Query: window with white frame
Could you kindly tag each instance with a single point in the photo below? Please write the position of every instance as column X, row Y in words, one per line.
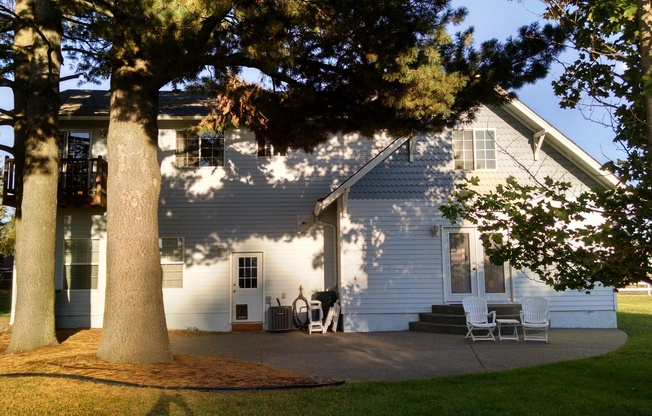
column 74, row 144
column 171, row 249
column 81, row 263
column 266, row 149
column 474, row 149
column 199, row 149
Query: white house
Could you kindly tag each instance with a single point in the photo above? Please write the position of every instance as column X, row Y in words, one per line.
column 241, row 226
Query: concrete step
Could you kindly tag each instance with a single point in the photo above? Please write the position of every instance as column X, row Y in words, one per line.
column 449, row 319
column 420, row 326
column 438, row 318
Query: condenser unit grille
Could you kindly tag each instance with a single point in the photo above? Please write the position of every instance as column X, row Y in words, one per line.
column 280, row 318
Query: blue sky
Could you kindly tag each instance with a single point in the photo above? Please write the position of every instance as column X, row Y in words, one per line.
column 500, row 19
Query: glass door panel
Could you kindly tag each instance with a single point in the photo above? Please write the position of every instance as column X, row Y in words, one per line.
column 460, row 263
column 467, row 269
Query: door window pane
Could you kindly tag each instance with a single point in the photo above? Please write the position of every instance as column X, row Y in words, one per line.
column 460, row 263
column 494, row 277
column 248, row 272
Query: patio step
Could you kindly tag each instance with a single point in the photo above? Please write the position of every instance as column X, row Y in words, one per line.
column 449, row 319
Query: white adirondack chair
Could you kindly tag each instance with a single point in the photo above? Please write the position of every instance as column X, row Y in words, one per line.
column 478, row 318
column 535, row 319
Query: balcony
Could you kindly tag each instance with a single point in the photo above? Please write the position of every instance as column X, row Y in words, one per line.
column 82, row 183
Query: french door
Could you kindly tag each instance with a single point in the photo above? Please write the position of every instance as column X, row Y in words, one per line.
column 468, row 271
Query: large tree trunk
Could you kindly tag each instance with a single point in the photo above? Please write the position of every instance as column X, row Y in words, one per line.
column 34, row 324
column 134, row 318
column 645, row 47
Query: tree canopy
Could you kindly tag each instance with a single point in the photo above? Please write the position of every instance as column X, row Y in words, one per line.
column 323, row 66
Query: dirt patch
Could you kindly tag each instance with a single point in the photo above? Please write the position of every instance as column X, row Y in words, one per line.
column 75, row 356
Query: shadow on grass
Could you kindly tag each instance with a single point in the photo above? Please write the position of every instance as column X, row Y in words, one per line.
column 169, row 404
column 64, row 334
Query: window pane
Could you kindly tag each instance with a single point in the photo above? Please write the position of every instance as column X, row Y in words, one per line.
column 248, row 272
column 485, row 153
column 206, row 149
column 79, row 145
column 172, row 275
column 463, row 149
column 81, row 258
column 494, row 277
column 171, row 249
column 460, row 262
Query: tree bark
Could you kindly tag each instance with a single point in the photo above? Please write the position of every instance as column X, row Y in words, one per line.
column 645, row 47
column 135, row 330
column 39, row 59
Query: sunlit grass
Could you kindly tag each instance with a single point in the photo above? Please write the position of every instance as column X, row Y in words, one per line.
column 619, row 383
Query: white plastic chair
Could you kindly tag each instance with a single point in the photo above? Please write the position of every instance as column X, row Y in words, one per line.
column 535, row 319
column 477, row 318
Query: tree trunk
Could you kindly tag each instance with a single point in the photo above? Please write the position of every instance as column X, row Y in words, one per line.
column 135, row 330
column 34, row 324
column 645, row 47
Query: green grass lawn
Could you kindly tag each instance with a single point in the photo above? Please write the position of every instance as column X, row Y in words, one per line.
column 619, row 383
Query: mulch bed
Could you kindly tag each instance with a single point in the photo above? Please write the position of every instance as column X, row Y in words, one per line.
column 75, row 357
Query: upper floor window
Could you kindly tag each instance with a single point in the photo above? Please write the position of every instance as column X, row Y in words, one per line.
column 75, row 144
column 266, row 148
column 474, row 149
column 200, row 149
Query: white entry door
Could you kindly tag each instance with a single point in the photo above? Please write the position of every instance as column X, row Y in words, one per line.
column 247, row 285
column 468, row 271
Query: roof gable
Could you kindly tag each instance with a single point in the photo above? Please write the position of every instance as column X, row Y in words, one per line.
column 541, row 130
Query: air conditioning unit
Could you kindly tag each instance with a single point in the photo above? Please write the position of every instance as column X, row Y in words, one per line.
column 280, row 319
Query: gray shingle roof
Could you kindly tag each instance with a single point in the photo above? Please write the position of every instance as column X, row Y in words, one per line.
column 95, row 103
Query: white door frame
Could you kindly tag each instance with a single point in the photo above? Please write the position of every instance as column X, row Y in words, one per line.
column 252, row 297
column 475, row 267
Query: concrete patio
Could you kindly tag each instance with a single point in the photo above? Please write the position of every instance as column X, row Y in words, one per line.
column 401, row 355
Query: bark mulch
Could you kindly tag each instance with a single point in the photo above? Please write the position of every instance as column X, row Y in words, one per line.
column 75, row 357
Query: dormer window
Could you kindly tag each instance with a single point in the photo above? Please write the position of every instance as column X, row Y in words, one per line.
column 474, row 149
column 200, row 149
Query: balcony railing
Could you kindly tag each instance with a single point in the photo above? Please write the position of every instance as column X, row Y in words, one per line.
column 82, row 182
column 9, row 183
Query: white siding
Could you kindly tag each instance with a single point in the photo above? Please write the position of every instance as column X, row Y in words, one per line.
column 251, row 204
column 80, row 308
column 392, row 266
